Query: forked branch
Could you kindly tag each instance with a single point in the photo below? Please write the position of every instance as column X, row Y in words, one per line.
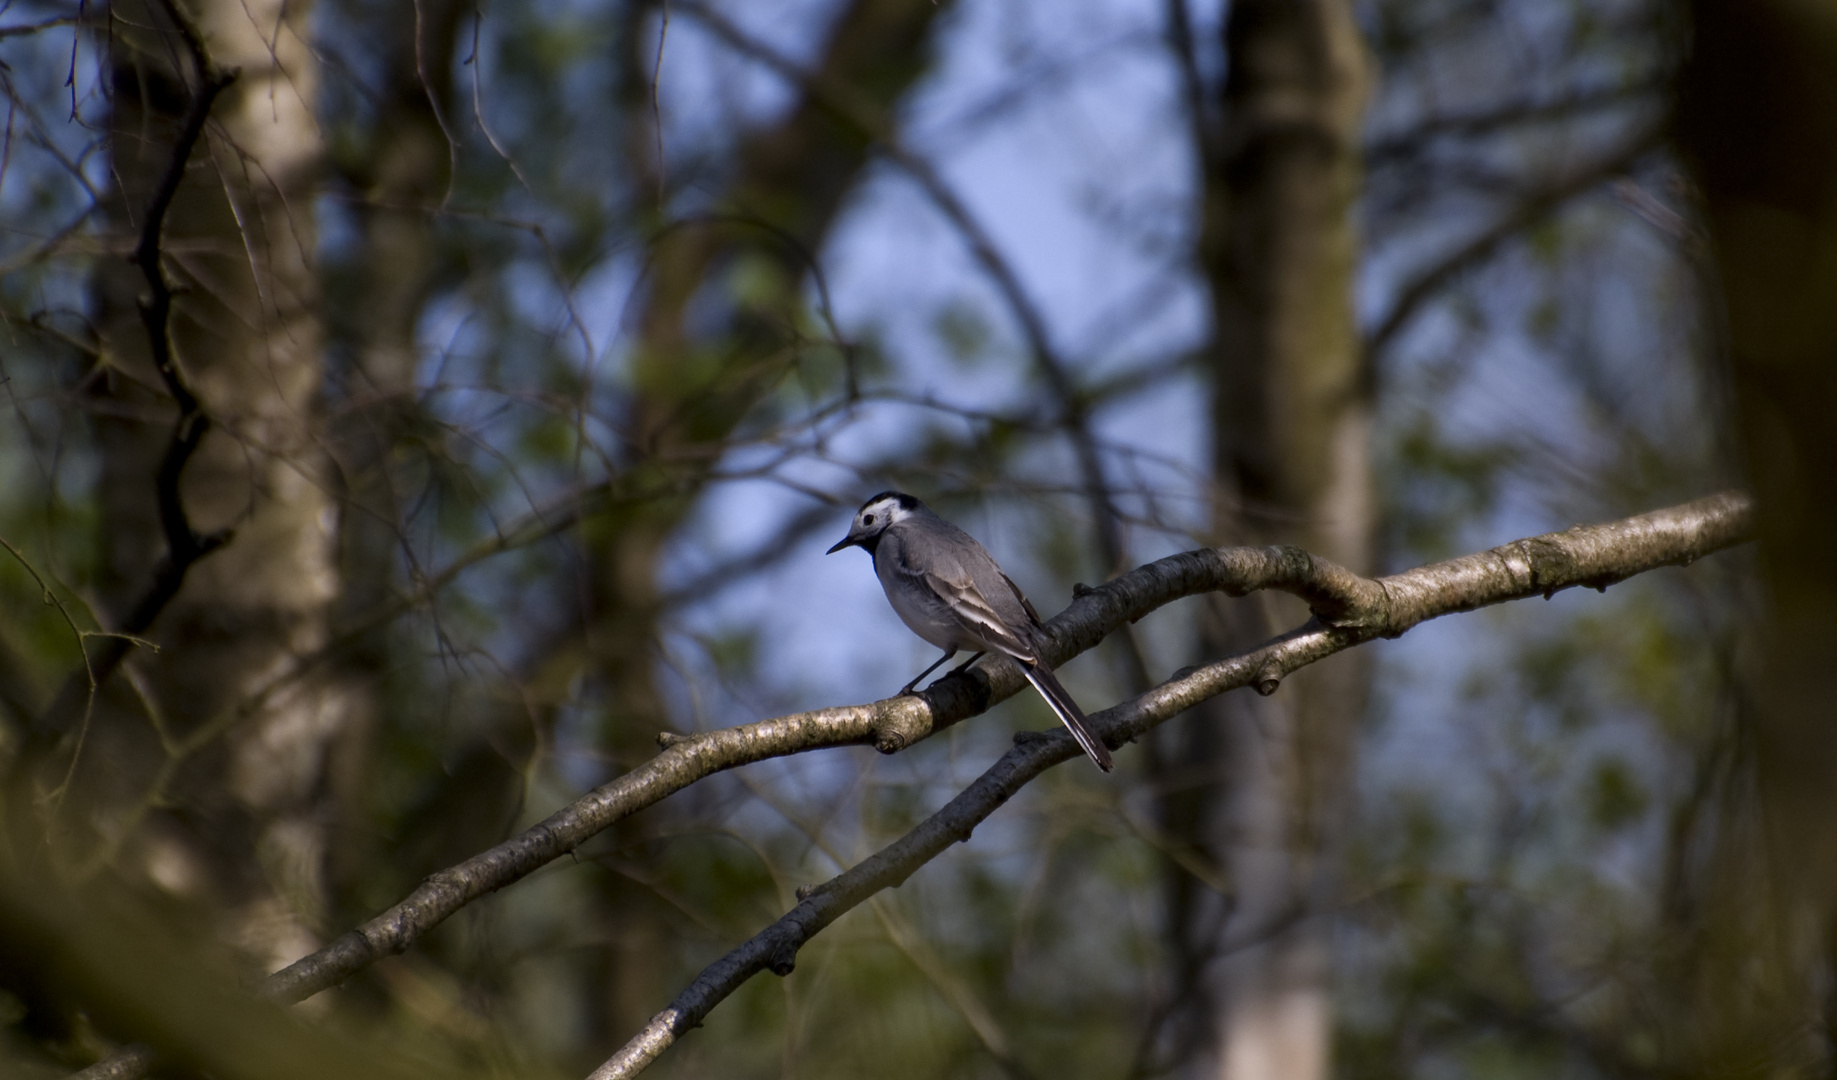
column 1348, row 610
column 184, row 544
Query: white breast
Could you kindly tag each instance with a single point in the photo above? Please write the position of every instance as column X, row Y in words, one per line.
column 920, row 609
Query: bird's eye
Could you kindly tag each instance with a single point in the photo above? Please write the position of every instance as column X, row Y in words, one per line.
column 868, row 520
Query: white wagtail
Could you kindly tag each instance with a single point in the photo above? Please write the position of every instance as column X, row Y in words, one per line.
column 949, row 591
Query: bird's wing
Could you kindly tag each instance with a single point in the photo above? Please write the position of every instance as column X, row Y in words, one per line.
column 982, row 618
column 1021, row 596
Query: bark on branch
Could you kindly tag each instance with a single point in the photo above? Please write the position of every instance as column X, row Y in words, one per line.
column 1348, row 610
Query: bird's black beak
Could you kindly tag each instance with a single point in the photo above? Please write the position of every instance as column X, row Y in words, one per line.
column 846, row 541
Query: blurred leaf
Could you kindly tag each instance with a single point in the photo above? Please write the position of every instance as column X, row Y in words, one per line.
column 1615, row 797
column 964, row 331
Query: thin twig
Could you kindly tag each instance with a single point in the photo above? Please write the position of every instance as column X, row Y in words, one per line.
column 663, row 37
column 32, row 28
column 1508, row 117
column 1531, row 209
column 1074, row 414
column 185, row 546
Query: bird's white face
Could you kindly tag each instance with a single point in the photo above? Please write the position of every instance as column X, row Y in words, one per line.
column 875, row 517
column 880, row 513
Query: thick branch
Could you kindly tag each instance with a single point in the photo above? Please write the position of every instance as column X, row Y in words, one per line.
column 129, row 1063
column 1349, row 610
column 890, row 725
column 1354, row 608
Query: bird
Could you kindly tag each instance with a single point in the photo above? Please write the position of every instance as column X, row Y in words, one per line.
column 949, row 590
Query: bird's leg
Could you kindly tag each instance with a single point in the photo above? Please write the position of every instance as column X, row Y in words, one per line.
column 907, row 689
column 961, row 668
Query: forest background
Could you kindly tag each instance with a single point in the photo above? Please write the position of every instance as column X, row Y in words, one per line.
column 421, row 415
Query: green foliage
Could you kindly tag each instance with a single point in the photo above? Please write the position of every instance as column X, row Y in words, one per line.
column 1615, row 796
column 964, row 332
column 1447, row 485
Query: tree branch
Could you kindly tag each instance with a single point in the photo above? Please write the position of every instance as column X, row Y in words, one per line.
column 889, row 725
column 1498, row 118
column 184, row 544
column 1349, row 610
column 1074, row 413
column 873, row 124
column 129, row 1063
column 32, row 28
column 1352, row 607
column 1531, row 209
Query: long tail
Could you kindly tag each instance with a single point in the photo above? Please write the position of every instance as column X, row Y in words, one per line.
column 1070, row 714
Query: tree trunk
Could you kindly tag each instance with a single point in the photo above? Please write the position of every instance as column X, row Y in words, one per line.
column 399, row 176
column 247, row 836
column 1758, row 112
column 1260, row 782
column 720, row 315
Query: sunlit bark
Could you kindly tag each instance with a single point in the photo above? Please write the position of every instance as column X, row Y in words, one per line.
column 239, row 245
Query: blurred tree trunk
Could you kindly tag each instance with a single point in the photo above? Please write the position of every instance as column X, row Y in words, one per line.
column 245, row 833
column 696, row 376
column 379, row 291
column 1758, row 113
column 717, row 328
column 1260, row 783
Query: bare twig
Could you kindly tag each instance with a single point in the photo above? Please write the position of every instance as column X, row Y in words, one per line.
column 871, row 122
column 1511, row 116
column 663, row 37
column 1074, row 412
column 533, row 527
column 1348, row 610
column 18, row 29
column 185, row 546
column 1530, row 209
